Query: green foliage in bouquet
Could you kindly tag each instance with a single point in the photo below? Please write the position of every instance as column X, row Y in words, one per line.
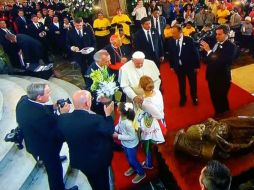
column 100, row 75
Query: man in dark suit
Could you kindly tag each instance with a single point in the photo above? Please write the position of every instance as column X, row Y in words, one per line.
column 31, row 55
column 184, row 61
column 32, row 51
column 101, row 59
column 57, row 36
column 80, row 37
column 149, row 42
column 218, row 74
column 22, row 23
column 38, row 124
column 37, row 31
column 89, row 137
column 15, row 8
column 9, row 48
column 158, row 22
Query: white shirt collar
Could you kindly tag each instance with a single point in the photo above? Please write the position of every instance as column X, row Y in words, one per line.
column 98, row 65
column 36, row 102
column 79, row 30
column 57, row 24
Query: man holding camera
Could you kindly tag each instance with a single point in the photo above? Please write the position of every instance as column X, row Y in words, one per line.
column 219, row 60
column 89, row 137
column 38, row 124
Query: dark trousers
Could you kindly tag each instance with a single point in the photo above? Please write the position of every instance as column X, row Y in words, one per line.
column 192, row 78
column 102, row 41
column 100, row 180
column 219, row 94
column 54, row 170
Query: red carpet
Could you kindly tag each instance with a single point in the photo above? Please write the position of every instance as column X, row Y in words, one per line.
column 185, row 170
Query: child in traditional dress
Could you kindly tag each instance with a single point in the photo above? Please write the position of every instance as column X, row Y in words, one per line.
column 125, row 132
column 151, row 119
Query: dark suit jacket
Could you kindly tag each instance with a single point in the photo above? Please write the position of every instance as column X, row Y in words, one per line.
column 11, row 49
column 163, row 23
column 38, row 124
column 34, row 31
column 22, row 25
column 141, row 44
column 31, row 48
column 220, row 61
column 57, row 35
column 89, row 137
column 189, row 54
column 73, row 39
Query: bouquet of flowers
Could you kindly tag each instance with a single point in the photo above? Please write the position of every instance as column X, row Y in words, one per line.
column 103, row 84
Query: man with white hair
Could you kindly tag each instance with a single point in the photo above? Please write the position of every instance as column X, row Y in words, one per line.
column 132, row 71
column 89, row 137
column 101, row 59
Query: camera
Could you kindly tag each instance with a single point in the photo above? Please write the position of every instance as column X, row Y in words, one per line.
column 16, row 136
column 60, row 103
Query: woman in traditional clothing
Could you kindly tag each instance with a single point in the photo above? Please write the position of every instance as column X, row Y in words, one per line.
column 151, row 118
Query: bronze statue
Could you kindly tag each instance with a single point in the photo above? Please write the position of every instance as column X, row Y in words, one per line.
column 221, row 138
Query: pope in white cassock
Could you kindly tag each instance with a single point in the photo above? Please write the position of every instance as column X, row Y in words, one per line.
column 132, row 71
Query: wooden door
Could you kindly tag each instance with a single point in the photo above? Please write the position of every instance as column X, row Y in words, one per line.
column 112, row 6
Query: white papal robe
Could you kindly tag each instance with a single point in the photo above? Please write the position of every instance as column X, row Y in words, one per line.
column 129, row 77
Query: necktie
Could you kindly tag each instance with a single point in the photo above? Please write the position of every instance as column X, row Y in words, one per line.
column 215, row 47
column 150, row 40
column 80, row 34
column 157, row 25
column 178, row 47
column 37, row 25
column 23, row 18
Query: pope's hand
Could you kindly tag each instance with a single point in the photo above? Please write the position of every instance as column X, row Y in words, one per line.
column 138, row 99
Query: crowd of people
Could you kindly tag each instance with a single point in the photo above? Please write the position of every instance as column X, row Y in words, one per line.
column 132, row 47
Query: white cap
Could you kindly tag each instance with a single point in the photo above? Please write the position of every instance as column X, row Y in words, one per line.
column 248, row 18
column 138, row 55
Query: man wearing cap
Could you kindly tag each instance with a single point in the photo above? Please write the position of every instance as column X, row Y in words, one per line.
column 132, row 71
column 149, row 41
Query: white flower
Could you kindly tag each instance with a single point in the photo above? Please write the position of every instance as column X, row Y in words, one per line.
column 128, row 106
column 184, row 44
column 106, row 89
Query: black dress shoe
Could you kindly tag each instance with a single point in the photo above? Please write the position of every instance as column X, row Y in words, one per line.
column 195, row 101
column 75, row 187
column 182, row 103
column 63, row 158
